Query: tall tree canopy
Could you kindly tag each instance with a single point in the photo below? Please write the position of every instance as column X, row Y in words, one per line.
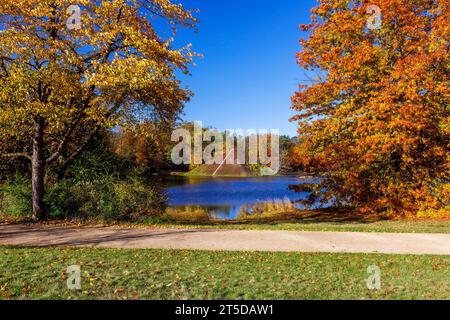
column 60, row 81
column 376, row 122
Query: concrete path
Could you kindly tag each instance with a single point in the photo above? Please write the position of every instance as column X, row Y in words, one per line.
column 229, row 240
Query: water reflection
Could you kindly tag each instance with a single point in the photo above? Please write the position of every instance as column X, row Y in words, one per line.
column 224, row 197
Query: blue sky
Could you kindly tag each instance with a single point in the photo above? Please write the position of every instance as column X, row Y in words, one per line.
column 248, row 72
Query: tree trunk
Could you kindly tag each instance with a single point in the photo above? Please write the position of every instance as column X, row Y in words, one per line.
column 37, row 169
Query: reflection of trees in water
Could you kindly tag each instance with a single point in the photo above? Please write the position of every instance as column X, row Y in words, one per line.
column 177, row 181
column 225, row 198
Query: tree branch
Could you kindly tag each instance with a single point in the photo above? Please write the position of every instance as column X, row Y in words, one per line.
column 64, row 142
column 81, row 148
column 16, row 155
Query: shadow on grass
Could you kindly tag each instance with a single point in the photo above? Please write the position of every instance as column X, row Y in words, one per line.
column 331, row 216
column 327, row 217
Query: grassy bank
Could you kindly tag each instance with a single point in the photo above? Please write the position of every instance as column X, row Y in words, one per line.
column 298, row 220
column 173, row 274
column 400, row 226
column 289, row 222
column 229, row 171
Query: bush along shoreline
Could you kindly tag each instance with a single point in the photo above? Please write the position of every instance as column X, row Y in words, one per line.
column 107, row 198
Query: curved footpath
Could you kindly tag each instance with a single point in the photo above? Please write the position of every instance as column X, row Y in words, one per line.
column 227, row 240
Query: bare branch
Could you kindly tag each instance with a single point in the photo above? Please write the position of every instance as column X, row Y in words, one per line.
column 81, row 148
column 16, row 155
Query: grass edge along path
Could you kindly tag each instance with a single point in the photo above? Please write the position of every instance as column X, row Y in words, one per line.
column 285, row 222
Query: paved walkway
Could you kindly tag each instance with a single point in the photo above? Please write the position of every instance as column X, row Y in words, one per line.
column 229, row 240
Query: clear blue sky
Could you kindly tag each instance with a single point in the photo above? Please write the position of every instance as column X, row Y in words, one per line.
column 248, row 72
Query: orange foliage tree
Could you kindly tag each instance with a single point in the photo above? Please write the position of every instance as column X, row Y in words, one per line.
column 148, row 145
column 375, row 123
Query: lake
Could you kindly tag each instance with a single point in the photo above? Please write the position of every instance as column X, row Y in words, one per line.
column 224, row 197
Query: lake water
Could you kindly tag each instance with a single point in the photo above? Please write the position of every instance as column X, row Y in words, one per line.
column 224, row 197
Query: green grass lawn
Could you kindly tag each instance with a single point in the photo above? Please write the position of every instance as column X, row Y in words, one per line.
column 301, row 220
column 384, row 226
column 290, row 221
column 176, row 274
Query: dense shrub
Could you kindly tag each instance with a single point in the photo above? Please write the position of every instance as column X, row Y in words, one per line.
column 15, row 198
column 97, row 161
column 98, row 184
column 106, row 198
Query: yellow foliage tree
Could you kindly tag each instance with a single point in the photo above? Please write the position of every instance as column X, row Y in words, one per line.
column 67, row 71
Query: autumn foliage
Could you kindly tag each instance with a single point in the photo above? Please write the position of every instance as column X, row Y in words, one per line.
column 147, row 145
column 61, row 85
column 375, row 122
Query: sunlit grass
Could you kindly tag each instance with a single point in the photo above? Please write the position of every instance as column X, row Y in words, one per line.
column 279, row 215
column 266, row 209
column 180, row 274
column 187, row 214
column 296, row 220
